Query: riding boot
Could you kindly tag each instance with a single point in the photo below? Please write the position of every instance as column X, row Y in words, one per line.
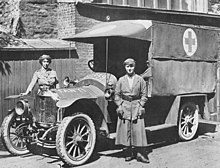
column 129, row 154
column 142, row 155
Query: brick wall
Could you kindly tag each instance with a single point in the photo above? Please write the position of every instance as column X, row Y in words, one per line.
column 65, row 19
column 71, row 22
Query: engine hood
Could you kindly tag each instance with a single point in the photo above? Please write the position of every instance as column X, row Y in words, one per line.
column 67, row 96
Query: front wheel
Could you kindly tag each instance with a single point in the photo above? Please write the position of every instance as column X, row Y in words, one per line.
column 13, row 132
column 75, row 140
column 188, row 121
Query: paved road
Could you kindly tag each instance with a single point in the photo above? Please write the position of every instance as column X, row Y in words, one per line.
column 202, row 152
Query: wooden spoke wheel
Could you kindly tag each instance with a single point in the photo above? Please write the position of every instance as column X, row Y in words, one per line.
column 75, row 140
column 188, row 121
column 13, row 134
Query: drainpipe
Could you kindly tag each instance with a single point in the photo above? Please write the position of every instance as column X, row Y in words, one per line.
column 218, row 91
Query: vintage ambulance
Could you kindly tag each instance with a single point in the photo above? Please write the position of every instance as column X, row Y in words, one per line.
column 178, row 62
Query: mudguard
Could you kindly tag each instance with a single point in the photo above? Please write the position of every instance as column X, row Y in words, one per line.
column 92, row 87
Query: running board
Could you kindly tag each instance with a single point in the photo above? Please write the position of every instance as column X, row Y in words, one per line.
column 161, row 134
column 207, row 126
column 159, row 127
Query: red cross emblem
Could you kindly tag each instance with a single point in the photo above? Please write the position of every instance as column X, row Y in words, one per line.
column 189, row 42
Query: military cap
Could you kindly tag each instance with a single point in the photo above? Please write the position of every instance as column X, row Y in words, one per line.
column 129, row 61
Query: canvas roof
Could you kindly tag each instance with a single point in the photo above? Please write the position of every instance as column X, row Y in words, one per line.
column 135, row 29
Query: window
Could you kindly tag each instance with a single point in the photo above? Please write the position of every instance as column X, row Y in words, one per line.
column 195, row 5
column 148, row 3
column 133, row 2
column 181, row 5
column 185, row 5
column 175, row 5
column 162, row 4
column 100, row 1
column 117, row 2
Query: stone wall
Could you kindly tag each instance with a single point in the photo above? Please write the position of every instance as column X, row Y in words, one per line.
column 39, row 18
column 29, row 18
column 9, row 15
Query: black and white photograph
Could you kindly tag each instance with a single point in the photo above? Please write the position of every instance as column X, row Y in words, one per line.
column 109, row 83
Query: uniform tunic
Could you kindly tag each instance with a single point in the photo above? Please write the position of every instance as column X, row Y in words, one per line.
column 131, row 101
column 46, row 79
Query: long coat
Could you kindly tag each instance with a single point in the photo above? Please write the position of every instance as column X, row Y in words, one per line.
column 130, row 126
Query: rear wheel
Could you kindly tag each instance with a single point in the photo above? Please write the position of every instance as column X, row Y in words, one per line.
column 13, row 134
column 188, row 121
column 75, row 140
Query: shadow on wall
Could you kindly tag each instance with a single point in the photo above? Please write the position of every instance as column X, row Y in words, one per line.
column 5, row 68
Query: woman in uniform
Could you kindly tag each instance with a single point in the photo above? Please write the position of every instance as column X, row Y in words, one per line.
column 130, row 97
column 45, row 77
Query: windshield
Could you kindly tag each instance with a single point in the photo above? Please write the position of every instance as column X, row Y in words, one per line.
column 118, row 50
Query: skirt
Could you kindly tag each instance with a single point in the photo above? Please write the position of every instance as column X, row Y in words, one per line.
column 131, row 133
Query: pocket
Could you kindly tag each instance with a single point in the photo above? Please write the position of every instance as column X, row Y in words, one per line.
column 142, row 110
column 119, row 111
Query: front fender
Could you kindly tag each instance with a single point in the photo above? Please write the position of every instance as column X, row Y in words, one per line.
column 70, row 95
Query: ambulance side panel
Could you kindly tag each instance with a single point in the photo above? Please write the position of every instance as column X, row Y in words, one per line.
column 184, row 60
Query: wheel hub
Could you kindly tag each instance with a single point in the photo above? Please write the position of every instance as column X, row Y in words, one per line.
column 187, row 119
column 76, row 138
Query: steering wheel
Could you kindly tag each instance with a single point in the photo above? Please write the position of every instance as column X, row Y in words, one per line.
column 91, row 64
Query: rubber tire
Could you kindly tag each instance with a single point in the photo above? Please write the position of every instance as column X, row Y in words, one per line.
column 60, row 139
column 183, row 136
column 6, row 139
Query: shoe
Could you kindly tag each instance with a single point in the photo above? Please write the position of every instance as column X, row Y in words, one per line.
column 143, row 159
column 129, row 158
column 129, row 155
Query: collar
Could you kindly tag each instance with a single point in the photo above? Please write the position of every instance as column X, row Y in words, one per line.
column 45, row 70
column 130, row 76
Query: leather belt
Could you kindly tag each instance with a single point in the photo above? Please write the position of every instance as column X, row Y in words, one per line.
column 130, row 97
column 46, row 87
